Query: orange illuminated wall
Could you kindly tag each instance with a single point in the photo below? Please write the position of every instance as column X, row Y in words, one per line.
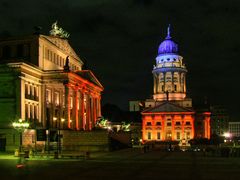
column 202, row 125
column 207, row 133
column 181, row 122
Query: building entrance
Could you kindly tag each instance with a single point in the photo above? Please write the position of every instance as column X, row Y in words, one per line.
column 168, row 136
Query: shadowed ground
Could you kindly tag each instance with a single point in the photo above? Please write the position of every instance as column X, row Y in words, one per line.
column 126, row 164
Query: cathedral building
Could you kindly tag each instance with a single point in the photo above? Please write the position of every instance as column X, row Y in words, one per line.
column 169, row 115
column 42, row 82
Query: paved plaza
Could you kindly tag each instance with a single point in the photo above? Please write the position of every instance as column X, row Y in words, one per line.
column 125, row 164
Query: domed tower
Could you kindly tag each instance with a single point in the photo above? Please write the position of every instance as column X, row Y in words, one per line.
column 169, row 73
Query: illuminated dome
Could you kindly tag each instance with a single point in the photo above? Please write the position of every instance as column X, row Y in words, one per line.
column 168, row 45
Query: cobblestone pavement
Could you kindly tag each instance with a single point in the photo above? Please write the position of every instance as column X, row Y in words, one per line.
column 126, row 164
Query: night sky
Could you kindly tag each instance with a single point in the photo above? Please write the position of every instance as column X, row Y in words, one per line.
column 118, row 40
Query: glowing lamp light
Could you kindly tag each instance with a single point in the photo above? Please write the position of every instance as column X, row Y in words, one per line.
column 62, row 120
column 54, row 118
column 20, row 124
column 227, row 135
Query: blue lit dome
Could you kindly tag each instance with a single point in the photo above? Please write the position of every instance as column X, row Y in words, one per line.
column 168, row 45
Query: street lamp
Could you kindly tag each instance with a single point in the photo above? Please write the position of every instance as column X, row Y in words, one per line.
column 58, row 124
column 20, row 126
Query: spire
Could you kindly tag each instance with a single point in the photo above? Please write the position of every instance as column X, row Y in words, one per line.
column 168, row 32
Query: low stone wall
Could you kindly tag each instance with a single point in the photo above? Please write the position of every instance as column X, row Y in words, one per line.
column 70, row 141
column 85, row 140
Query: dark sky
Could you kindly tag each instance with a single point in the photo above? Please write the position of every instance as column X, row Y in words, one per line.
column 119, row 39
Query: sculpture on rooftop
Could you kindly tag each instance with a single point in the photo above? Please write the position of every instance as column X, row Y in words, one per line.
column 58, row 31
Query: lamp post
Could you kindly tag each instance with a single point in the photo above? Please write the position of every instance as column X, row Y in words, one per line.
column 20, row 126
column 59, row 135
column 58, row 124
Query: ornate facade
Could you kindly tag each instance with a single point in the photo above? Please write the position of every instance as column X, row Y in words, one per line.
column 43, row 83
column 169, row 116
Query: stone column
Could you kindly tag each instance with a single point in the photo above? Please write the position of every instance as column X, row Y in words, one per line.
column 94, row 112
column 184, row 82
column 192, row 123
column 84, row 109
column 87, row 112
column 173, row 128
column 163, row 128
column 42, row 103
column 173, row 89
column 183, row 124
column 164, row 82
column 67, row 105
column 74, row 108
column 99, row 106
column 180, row 81
column 81, row 109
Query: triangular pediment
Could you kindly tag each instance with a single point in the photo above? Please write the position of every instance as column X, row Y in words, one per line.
column 89, row 76
column 62, row 44
column 167, row 107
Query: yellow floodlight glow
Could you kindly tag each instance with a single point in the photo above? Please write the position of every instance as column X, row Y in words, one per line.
column 20, row 124
column 227, row 135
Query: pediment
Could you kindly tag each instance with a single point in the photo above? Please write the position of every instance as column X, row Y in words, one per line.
column 62, row 44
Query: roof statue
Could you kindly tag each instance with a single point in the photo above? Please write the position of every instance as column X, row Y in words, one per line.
column 58, row 31
column 168, row 45
column 168, row 32
column 66, row 66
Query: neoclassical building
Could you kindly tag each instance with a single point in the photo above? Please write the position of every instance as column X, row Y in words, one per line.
column 42, row 82
column 169, row 116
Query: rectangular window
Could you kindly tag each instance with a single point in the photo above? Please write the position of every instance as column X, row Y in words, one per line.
column 188, row 123
column 48, row 96
column 56, row 98
column 158, row 135
column 58, row 60
column 169, row 124
column 48, row 54
column 26, row 91
column 149, row 123
column 26, row 111
column 36, row 92
column 188, row 135
column 54, row 58
column 178, row 123
column 178, row 135
column 32, row 91
column 158, row 123
column 149, row 135
column 31, row 112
